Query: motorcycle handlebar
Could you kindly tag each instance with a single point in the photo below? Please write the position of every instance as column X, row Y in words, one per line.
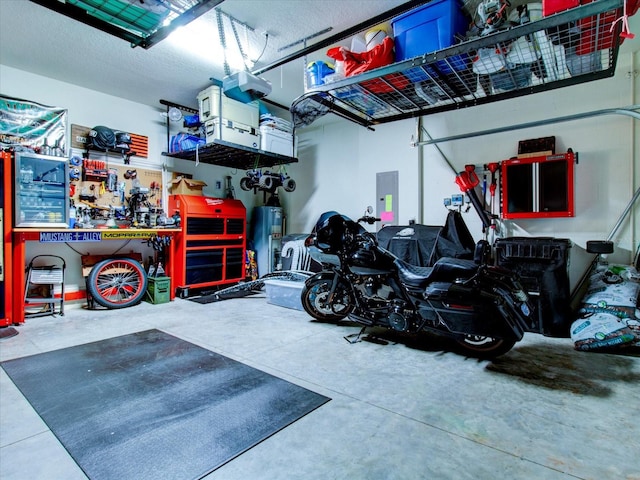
column 369, row 220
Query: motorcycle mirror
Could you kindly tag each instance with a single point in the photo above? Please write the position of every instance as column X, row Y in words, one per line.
column 368, row 210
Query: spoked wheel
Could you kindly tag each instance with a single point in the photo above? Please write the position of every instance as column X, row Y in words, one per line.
column 315, row 300
column 484, row 347
column 117, row 282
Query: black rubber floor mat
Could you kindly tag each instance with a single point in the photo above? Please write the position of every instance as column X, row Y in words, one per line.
column 149, row 405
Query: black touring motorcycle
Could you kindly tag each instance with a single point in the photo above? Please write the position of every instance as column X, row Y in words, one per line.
column 482, row 307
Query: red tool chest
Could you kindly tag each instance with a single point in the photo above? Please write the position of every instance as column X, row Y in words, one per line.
column 210, row 250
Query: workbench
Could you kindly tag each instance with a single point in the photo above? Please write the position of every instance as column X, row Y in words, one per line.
column 15, row 301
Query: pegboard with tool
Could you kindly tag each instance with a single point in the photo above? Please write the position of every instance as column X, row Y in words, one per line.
column 105, row 191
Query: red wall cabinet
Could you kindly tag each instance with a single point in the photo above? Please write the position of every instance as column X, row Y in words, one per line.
column 538, row 187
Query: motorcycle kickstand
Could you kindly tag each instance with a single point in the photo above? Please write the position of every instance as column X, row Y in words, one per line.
column 357, row 336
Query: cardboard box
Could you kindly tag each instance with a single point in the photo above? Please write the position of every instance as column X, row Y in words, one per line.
column 186, row 186
column 543, row 153
column 537, row 147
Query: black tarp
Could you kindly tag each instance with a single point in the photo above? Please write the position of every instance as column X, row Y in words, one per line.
column 423, row 245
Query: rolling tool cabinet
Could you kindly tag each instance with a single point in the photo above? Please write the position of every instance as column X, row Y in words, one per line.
column 210, row 250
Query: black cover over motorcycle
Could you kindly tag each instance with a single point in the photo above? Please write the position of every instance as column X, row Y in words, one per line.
column 423, row 245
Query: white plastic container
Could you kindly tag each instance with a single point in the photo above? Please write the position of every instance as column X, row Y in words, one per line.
column 243, row 86
column 276, row 141
column 284, row 293
column 232, row 132
column 209, row 104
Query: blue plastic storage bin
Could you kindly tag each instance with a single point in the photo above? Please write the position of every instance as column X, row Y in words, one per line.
column 317, row 71
column 430, row 28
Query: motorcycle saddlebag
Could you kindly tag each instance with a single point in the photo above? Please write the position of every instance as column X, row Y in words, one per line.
column 462, row 313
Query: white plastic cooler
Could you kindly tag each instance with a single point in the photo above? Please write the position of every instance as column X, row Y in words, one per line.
column 276, row 141
column 209, row 104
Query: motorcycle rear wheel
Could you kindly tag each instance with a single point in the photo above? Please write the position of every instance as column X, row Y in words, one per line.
column 315, row 294
column 484, row 347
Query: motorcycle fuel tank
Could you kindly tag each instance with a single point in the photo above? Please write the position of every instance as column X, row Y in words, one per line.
column 370, row 261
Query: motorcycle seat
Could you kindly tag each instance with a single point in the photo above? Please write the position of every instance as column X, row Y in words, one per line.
column 446, row 269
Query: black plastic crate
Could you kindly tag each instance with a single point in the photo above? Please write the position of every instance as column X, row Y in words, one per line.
column 541, row 263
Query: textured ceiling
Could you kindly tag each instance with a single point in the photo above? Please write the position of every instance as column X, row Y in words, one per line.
column 38, row 40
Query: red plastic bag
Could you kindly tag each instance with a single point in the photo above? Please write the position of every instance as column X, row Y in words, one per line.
column 355, row 63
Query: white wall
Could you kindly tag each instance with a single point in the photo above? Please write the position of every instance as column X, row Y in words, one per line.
column 337, row 170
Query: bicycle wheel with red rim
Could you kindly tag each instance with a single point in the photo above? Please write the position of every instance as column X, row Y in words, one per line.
column 117, row 282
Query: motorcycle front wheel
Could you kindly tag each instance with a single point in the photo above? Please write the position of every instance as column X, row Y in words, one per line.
column 484, row 347
column 315, row 300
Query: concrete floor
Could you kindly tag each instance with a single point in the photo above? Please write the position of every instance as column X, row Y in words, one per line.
column 405, row 410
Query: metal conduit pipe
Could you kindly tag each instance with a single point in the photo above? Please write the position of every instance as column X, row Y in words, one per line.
column 623, row 215
column 420, row 218
column 580, row 287
column 628, row 111
column 632, row 128
column 372, row 22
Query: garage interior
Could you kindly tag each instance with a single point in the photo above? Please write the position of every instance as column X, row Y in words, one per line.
column 403, row 141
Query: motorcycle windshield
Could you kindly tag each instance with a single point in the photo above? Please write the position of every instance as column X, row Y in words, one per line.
column 330, row 231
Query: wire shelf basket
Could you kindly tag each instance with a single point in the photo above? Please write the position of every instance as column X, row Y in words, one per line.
column 571, row 47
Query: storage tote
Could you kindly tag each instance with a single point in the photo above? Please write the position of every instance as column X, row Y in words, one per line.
column 276, row 141
column 429, row 28
column 284, row 293
column 158, row 290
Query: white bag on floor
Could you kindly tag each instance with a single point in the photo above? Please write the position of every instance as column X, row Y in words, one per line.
column 601, row 331
column 609, row 310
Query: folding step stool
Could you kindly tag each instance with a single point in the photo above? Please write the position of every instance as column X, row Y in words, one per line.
column 39, row 287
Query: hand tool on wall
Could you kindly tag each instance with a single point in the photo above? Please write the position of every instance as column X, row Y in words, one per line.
column 493, row 168
column 468, row 181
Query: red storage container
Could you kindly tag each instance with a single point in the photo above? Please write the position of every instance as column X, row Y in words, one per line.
column 549, row 7
column 596, row 33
